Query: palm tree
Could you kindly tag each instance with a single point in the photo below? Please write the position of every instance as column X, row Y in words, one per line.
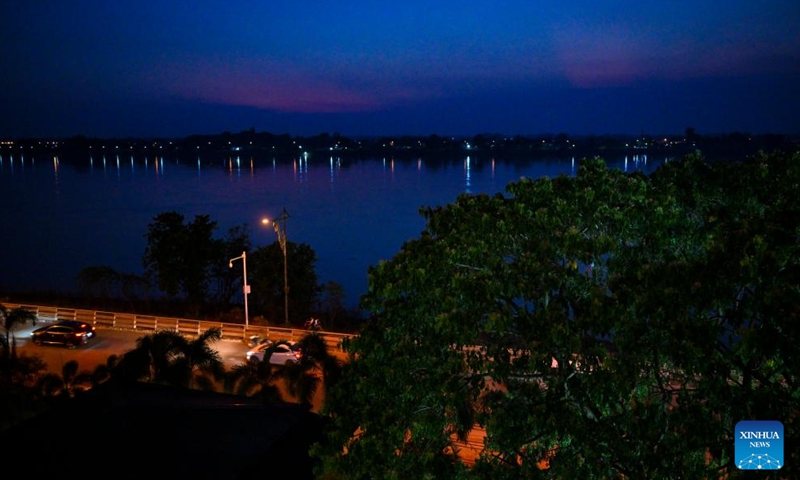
column 301, row 382
column 316, row 352
column 50, row 385
column 168, row 357
column 69, row 373
column 253, row 379
column 11, row 318
column 198, row 359
column 303, row 378
column 102, row 373
column 152, row 358
column 75, row 381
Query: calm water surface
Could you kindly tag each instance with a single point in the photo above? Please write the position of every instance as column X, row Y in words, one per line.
column 60, row 216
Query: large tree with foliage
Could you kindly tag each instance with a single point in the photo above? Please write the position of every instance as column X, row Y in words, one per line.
column 228, row 281
column 187, row 261
column 266, row 277
column 180, row 255
column 607, row 325
column 103, row 283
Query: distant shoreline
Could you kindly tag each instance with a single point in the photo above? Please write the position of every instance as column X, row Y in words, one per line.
column 267, row 146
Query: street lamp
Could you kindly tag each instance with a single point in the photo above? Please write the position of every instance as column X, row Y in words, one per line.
column 246, row 287
column 281, row 231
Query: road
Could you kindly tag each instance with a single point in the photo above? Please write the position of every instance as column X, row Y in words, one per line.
column 233, row 352
column 107, row 342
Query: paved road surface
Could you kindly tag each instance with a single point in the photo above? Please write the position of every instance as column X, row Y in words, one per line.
column 117, row 342
column 107, row 342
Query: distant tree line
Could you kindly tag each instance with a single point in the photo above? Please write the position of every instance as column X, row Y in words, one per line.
column 285, row 146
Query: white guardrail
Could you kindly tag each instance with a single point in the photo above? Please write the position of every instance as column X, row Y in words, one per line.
column 150, row 323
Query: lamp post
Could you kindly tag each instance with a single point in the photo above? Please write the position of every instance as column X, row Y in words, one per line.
column 246, row 287
column 281, row 231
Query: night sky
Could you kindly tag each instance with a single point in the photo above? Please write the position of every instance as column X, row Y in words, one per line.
column 110, row 68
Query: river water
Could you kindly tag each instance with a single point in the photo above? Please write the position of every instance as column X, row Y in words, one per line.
column 60, row 215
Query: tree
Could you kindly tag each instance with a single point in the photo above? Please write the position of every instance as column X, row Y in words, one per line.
column 103, row 282
column 607, row 325
column 267, row 279
column 152, row 358
column 12, row 318
column 99, row 281
column 331, row 302
column 200, row 362
column 253, row 379
column 317, row 367
column 168, row 357
column 317, row 357
column 237, row 240
column 181, row 256
column 164, row 256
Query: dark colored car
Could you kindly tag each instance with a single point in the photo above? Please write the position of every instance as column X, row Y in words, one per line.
column 68, row 333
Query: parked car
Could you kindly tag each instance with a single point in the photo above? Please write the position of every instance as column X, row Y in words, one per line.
column 68, row 333
column 282, row 353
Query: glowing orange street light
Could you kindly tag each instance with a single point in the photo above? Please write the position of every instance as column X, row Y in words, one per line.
column 281, row 231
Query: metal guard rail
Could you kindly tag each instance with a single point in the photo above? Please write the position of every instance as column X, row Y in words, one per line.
column 132, row 321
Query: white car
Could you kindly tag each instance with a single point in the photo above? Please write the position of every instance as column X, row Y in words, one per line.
column 281, row 353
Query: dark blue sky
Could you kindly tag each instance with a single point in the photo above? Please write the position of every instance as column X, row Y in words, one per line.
column 173, row 68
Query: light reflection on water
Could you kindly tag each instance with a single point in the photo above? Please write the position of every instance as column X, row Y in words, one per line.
column 61, row 216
